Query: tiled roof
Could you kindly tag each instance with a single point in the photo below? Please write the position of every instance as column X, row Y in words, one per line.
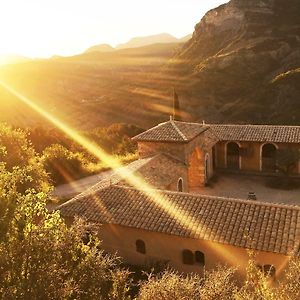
column 172, row 131
column 153, row 170
column 242, row 223
column 258, row 133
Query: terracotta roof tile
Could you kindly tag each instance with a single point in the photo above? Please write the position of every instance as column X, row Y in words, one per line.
column 175, row 131
column 257, row 133
column 254, row 225
column 172, row 131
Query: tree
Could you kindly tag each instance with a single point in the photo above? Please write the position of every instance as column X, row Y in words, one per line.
column 18, row 156
column 63, row 165
column 42, row 258
column 176, row 107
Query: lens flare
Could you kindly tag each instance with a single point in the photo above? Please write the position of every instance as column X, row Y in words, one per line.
column 139, row 183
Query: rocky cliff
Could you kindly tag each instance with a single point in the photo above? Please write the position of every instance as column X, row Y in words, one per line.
column 243, row 63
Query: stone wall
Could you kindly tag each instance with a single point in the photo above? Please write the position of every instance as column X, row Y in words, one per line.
column 193, row 154
column 250, row 155
column 168, row 248
column 196, row 169
column 146, row 149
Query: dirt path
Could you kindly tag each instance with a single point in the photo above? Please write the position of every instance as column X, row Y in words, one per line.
column 70, row 190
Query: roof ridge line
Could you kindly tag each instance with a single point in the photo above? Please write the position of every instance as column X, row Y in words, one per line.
column 178, row 130
column 146, row 130
column 259, row 125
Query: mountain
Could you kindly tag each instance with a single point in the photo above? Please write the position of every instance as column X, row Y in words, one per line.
column 243, row 63
column 185, row 38
column 100, row 48
column 139, row 42
column 88, row 90
column 149, row 40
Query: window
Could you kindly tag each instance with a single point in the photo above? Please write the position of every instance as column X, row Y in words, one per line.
column 187, row 257
column 180, row 185
column 190, row 258
column 140, row 246
column 199, row 258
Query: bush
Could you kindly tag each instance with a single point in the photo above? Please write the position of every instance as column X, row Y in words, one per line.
column 19, row 157
column 63, row 165
column 42, row 258
column 171, row 286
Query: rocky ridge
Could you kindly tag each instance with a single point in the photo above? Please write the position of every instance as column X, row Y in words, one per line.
column 244, row 57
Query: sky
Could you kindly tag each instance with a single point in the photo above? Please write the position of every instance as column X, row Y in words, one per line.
column 42, row 28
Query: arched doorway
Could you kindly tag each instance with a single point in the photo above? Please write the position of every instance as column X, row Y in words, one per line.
column 268, row 158
column 180, row 185
column 233, row 156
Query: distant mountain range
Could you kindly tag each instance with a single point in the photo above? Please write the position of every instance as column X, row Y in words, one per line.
column 137, row 42
column 242, row 64
column 100, row 48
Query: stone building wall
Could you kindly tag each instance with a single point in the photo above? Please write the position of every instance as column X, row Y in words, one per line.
column 196, row 169
column 168, row 248
column 250, row 155
column 193, row 154
column 146, row 149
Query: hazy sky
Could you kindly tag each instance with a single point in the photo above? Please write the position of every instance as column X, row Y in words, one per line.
column 41, row 28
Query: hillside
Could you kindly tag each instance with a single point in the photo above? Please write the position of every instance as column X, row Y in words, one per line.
column 241, row 65
column 231, row 63
column 100, row 48
column 88, row 90
column 163, row 38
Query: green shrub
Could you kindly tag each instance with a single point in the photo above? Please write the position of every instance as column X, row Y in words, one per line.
column 19, row 157
column 63, row 165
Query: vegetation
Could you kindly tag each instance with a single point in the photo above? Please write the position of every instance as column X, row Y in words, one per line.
column 66, row 161
column 65, row 269
column 21, row 161
column 64, row 165
column 43, row 258
column 49, row 156
column 89, row 90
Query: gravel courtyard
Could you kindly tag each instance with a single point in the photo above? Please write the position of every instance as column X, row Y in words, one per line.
column 238, row 186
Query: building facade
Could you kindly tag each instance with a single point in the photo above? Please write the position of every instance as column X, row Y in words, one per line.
column 205, row 148
column 162, row 222
column 189, row 232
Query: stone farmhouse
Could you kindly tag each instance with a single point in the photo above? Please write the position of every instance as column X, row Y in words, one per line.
column 203, row 148
column 170, row 223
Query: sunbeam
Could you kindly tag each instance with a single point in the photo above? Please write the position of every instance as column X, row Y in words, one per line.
column 139, row 183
